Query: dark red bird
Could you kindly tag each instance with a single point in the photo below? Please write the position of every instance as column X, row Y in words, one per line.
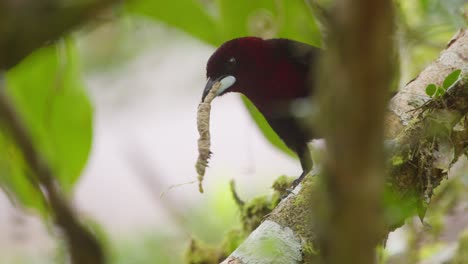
column 273, row 74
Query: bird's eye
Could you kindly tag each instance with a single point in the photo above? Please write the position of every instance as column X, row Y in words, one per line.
column 232, row 61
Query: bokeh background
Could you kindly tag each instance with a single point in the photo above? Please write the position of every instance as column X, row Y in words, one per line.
column 121, row 116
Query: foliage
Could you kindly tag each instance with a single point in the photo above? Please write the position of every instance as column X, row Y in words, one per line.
column 436, row 91
column 424, row 27
column 47, row 91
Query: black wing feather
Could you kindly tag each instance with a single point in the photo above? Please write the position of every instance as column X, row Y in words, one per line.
column 302, row 53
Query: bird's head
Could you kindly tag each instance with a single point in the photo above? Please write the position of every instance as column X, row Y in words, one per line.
column 235, row 63
column 266, row 71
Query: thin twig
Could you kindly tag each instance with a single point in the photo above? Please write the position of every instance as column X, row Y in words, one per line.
column 235, row 196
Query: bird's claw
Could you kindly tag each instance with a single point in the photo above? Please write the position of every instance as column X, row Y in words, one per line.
column 296, row 182
column 287, row 192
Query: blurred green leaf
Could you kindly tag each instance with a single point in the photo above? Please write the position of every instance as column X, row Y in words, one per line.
column 451, row 79
column 238, row 18
column 298, row 23
column 268, row 18
column 46, row 89
column 12, row 176
column 425, row 26
column 431, row 89
column 186, row 15
column 424, row 4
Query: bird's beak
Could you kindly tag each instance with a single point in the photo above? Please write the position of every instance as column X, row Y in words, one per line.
column 225, row 80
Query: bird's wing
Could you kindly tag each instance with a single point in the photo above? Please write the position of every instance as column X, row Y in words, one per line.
column 302, row 53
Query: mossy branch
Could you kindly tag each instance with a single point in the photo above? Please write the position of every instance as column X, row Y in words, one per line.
column 417, row 139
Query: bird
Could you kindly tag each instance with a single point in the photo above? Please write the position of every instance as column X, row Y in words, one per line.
column 274, row 74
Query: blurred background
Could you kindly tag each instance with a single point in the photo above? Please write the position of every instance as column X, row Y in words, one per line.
column 118, row 122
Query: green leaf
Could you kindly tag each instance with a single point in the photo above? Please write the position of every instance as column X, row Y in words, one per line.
column 186, row 15
column 48, row 93
column 298, row 23
column 268, row 18
column 451, row 79
column 431, row 89
column 265, row 128
column 424, row 5
column 239, row 18
column 439, row 92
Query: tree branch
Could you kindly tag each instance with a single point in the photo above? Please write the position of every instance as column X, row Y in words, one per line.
column 413, row 170
column 29, row 24
column 355, row 76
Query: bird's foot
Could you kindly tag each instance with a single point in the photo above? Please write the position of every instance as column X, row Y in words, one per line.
column 297, row 181
column 294, row 184
column 287, row 193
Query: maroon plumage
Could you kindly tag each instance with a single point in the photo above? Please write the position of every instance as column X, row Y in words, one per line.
column 273, row 74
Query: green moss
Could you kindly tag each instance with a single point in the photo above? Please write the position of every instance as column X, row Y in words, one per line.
column 255, row 210
column 252, row 214
column 308, row 248
column 295, row 213
column 200, row 253
column 397, row 160
column 308, row 190
column 282, row 184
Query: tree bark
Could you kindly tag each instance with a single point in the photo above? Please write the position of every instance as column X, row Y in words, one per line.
column 355, row 77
